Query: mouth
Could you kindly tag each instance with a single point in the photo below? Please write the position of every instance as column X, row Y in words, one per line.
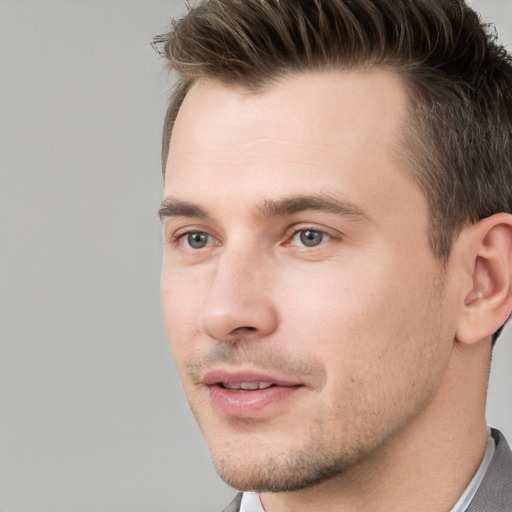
column 248, row 395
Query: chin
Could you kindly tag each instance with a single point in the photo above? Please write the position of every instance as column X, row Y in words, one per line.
column 263, row 471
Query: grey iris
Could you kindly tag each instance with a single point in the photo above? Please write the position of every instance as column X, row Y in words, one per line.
column 197, row 240
column 311, row 238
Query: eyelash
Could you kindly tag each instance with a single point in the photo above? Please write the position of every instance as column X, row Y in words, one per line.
column 180, row 238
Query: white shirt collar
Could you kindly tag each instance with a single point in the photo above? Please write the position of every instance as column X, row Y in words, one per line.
column 251, row 502
column 472, row 488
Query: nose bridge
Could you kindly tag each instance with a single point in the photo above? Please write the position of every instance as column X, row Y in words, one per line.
column 238, row 302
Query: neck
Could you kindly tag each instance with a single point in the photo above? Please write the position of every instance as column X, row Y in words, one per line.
column 424, row 467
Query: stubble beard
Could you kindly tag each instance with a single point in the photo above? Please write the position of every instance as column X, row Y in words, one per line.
column 314, row 460
column 319, row 454
column 313, row 456
column 294, row 470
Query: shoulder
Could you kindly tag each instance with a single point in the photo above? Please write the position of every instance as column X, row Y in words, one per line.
column 495, row 492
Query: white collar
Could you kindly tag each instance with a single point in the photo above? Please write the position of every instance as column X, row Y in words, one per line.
column 472, row 488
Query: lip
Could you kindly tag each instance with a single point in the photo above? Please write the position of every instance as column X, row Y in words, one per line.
column 214, row 377
column 236, row 403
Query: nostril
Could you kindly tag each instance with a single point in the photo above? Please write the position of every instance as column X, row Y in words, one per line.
column 248, row 328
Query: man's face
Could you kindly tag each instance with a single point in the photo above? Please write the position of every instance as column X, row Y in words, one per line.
column 306, row 312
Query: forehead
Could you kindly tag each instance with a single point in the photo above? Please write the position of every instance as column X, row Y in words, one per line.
column 307, row 129
column 359, row 96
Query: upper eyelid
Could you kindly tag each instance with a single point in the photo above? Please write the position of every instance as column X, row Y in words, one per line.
column 297, row 228
column 178, row 232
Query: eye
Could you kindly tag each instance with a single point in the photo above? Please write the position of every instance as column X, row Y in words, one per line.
column 309, row 238
column 196, row 240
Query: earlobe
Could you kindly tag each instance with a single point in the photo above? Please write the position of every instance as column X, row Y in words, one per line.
column 488, row 302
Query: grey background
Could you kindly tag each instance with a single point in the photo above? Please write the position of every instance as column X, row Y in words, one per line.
column 92, row 415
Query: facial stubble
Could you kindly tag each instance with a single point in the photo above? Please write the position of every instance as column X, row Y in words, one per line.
column 255, row 456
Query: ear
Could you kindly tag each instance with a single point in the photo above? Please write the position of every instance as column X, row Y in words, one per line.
column 487, row 293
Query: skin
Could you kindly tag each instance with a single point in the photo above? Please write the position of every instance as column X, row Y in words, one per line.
column 363, row 324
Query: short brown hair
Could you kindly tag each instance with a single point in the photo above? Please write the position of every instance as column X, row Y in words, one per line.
column 459, row 144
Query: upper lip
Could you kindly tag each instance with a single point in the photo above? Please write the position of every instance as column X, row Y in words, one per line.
column 213, row 377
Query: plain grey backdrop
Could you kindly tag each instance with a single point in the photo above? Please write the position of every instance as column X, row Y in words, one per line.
column 92, row 415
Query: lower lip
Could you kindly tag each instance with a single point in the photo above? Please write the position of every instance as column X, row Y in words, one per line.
column 247, row 404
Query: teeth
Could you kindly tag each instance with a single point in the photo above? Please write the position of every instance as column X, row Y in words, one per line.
column 251, row 386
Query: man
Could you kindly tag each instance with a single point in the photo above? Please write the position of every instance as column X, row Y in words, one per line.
column 338, row 249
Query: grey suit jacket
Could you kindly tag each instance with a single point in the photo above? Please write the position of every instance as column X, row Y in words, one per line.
column 494, row 493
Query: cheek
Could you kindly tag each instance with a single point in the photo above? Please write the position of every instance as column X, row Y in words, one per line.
column 180, row 313
column 334, row 303
column 356, row 318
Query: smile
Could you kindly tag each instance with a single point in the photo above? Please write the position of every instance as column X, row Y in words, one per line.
column 246, row 386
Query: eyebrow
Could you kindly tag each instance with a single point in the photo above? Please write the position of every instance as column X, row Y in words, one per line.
column 322, row 203
column 172, row 207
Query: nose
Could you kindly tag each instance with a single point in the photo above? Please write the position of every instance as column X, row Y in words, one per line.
column 238, row 304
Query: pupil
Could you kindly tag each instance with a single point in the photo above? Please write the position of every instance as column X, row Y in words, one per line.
column 197, row 240
column 310, row 238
